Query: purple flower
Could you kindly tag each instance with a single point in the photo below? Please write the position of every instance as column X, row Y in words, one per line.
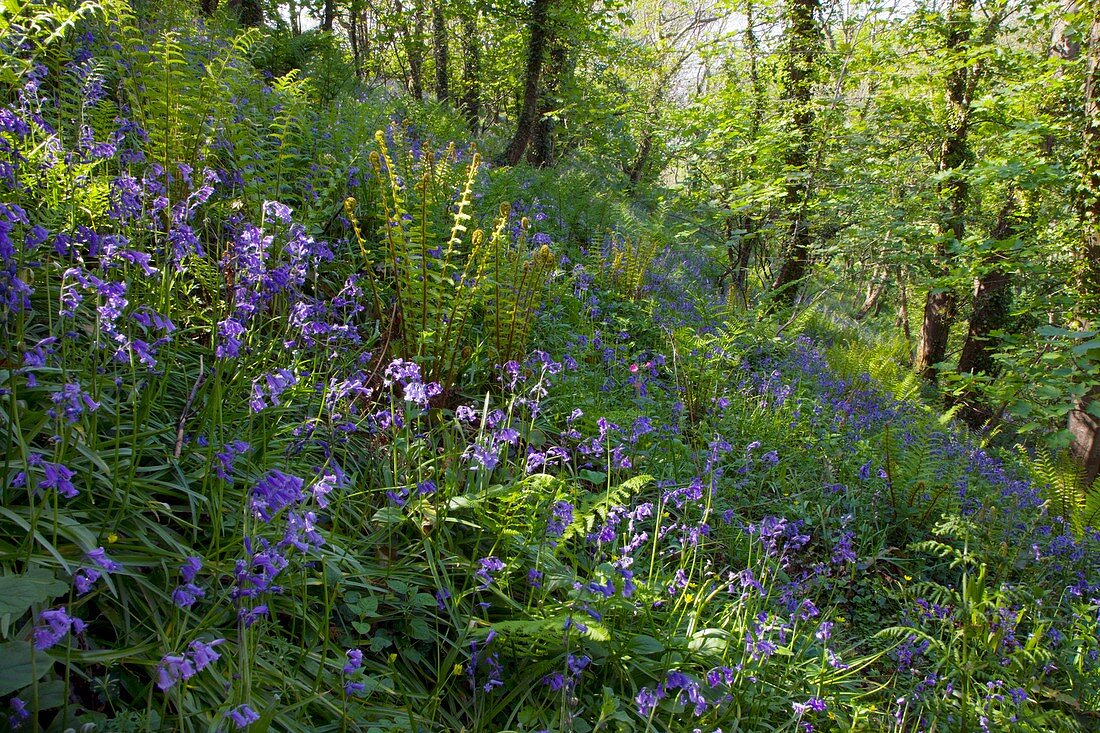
column 555, row 681
column 489, row 565
column 577, row 664
column 19, row 713
column 187, row 595
column 275, row 491
column 332, row 478
column 843, row 552
column 561, row 517
column 203, row 654
column 815, row 704
column 224, row 467
column 230, row 346
column 84, row 579
column 190, row 568
column 249, row 616
column 277, row 210
column 534, row 578
column 301, row 531
column 355, row 661
column 646, row 701
column 242, row 716
column 100, row 558
column 73, row 401
column 53, row 626
column 58, row 476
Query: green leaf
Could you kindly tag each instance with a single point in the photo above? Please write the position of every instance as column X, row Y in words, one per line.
column 378, row 642
column 419, row 629
column 20, row 592
column 1081, row 349
column 23, row 664
column 595, row 477
column 51, row 694
column 1055, row 331
column 644, row 644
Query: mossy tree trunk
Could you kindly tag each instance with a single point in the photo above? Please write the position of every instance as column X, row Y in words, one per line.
column 539, row 30
column 803, row 39
column 941, row 302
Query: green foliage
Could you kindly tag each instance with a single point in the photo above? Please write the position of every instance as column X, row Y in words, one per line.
column 625, row 265
column 662, row 513
column 516, row 282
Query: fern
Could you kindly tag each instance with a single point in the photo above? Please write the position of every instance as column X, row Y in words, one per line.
column 596, row 507
column 436, row 270
column 626, row 263
column 516, row 283
column 1063, row 480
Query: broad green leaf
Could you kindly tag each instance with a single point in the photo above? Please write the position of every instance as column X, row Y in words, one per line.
column 644, row 644
column 20, row 592
column 22, row 665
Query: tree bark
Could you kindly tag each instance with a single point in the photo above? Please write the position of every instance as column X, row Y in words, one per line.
column 637, row 166
column 541, row 153
column 903, row 310
column 1084, row 427
column 295, row 17
column 536, row 49
column 941, row 302
column 353, row 38
column 803, row 39
column 413, row 41
column 875, row 290
column 740, row 256
column 471, row 69
column 749, row 240
column 250, row 13
column 442, row 54
column 991, row 302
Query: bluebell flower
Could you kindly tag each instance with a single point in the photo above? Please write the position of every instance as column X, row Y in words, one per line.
column 242, row 716
column 275, row 491
column 100, row 558
column 489, row 565
column 58, row 476
column 19, row 713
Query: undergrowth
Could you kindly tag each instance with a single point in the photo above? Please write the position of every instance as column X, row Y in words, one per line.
column 311, row 428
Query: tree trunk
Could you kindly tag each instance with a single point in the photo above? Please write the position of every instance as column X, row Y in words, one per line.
column 992, row 298
column 637, row 166
column 536, row 49
column 740, row 257
column 442, row 55
column 295, row 16
column 1064, row 45
column 542, row 137
column 328, row 14
column 903, row 310
column 471, row 69
column 353, row 38
column 413, row 41
column 250, row 13
column 803, row 38
column 749, row 239
column 875, row 290
column 1084, row 427
column 940, row 303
